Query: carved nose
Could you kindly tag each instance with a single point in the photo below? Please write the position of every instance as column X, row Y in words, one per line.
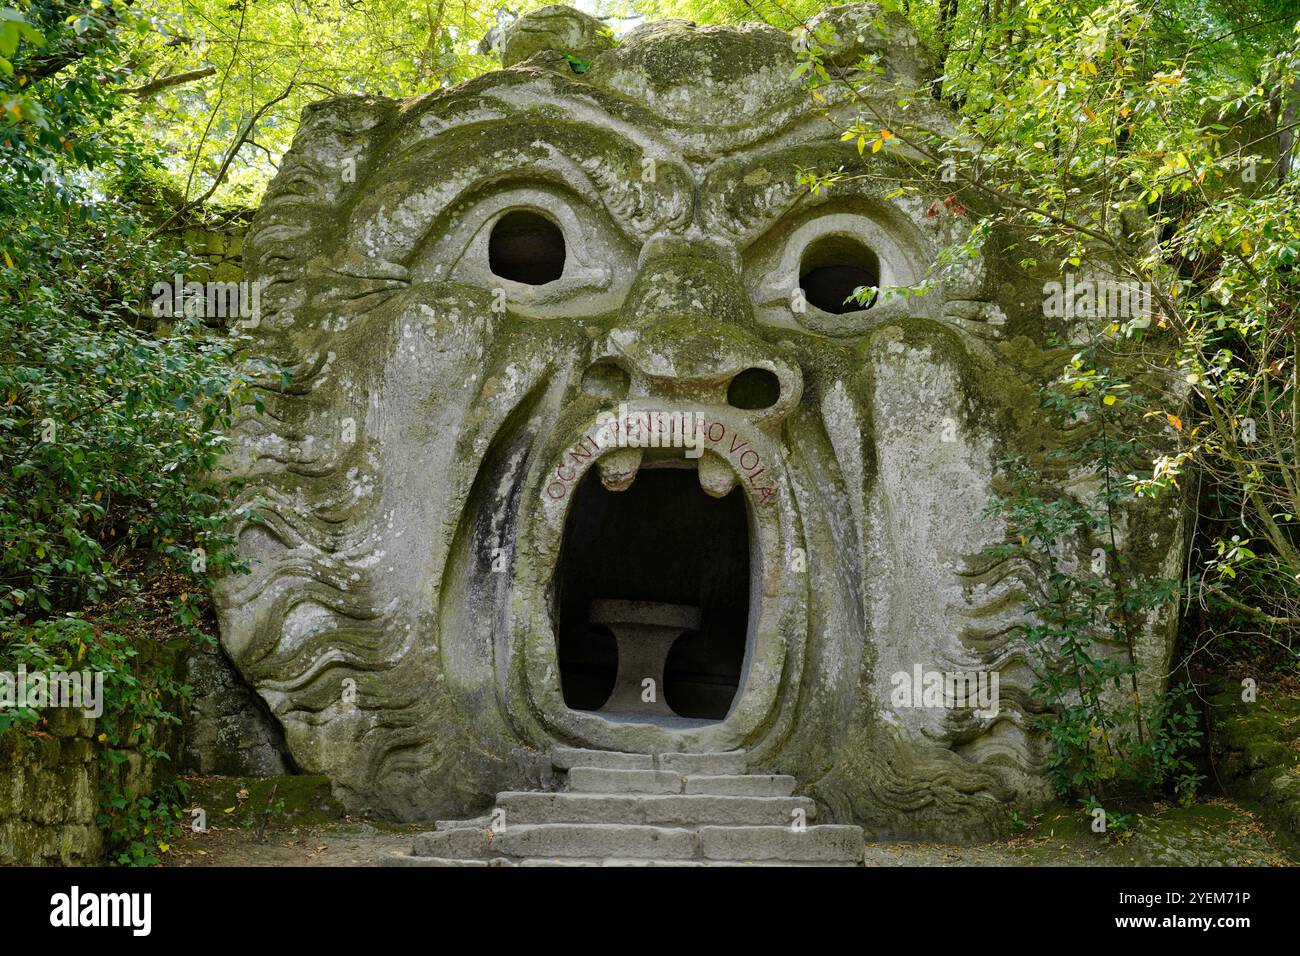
column 754, row 389
column 686, row 335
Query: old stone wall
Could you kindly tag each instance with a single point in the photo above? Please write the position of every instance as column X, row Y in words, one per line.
column 52, row 782
column 216, row 244
column 50, row 776
column 49, row 794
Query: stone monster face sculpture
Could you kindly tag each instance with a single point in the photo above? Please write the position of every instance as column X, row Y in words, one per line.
column 581, row 446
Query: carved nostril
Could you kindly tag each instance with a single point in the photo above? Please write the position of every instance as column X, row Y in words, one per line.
column 606, row 379
column 753, row 389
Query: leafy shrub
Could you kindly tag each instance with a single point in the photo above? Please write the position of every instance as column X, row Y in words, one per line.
column 110, row 424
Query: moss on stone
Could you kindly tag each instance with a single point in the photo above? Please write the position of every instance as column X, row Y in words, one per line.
column 1255, row 747
column 243, row 801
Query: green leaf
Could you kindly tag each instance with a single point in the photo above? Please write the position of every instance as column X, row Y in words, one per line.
column 577, row 65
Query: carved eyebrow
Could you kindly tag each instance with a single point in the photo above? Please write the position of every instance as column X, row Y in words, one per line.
column 744, row 197
column 746, row 193
column 470, row 156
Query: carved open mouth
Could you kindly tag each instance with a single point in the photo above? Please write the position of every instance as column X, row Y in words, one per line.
column 652, row 592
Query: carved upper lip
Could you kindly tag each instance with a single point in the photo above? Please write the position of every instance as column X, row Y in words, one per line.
column 622, row 442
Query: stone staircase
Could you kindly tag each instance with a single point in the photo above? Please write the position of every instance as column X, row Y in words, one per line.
column 619, row 809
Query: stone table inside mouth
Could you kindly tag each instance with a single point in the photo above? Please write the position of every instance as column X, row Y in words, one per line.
column 645, row 632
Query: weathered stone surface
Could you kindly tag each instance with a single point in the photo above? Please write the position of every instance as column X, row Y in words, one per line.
column 1255, row 746
column 842, row 844
column 727, row 763
column 418, row 470
column 615, row 828
column 457, row 843
column 566, row 758
column 434, row 861
column 749, row 785
column 598, row 840
column 228, row 730
column 598, row 780
column 555, row 28
column 49, row 794
column 656, row 809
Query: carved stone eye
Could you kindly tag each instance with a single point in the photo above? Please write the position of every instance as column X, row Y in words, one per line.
column 526, row 247
column 832, row 268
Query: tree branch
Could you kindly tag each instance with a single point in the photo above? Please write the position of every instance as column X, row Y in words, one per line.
column 243, row 138
column 1254, row 611
column 154, row 87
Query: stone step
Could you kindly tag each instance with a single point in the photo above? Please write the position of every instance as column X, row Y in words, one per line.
column 582, row 861
column 740, row 785
column 578, row 861
column 475, row 823
column 566, row 758
column 402, row 859
column 456, row 843
column 687, row 810
column 600, row 780
column 732, row 761
column 596, row 840
column 616, row 841
column 819, row 844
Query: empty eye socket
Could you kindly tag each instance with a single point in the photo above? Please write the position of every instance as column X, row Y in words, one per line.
column 754, row 388
column 832, row 268
column 526, row 247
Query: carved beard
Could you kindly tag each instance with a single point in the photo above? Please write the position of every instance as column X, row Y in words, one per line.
column 430, row 611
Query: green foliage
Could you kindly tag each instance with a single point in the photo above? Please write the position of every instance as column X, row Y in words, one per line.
column 1115, row 822
column 110, row 424
column 13, row 30
column 1113, row 130
column 138, row 831
column 1085, row 609
column 109, row 427
column 577, row 64
column 139, row 703
column 266, row 61
column 1154, row 141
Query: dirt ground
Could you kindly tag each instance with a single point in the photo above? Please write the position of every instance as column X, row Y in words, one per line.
column 345, row 843
column 1216, row 833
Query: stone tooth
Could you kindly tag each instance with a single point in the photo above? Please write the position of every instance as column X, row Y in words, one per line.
column 618, row 469
column 716, row 476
